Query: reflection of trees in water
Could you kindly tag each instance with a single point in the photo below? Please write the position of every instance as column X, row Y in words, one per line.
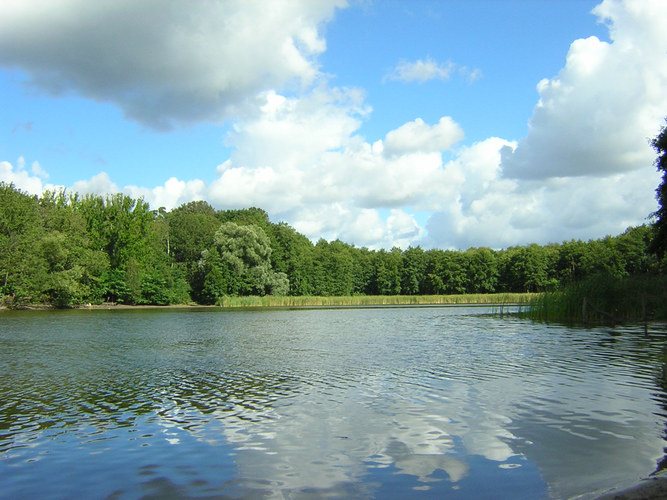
column 111, row 400
column 661, row 381
column 643, row 355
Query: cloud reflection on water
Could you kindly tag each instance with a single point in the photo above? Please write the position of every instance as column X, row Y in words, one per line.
column 352, row 403
column 320, row 438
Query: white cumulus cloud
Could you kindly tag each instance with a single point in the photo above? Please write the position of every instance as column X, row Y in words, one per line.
column 173, row 193
column 100, row 184
column 584, row 170
column 21, row 178
column 303, row 161
column 423, row 70
column 484, row 208
column 418, row 136
column 165, row 63
column 597, row 115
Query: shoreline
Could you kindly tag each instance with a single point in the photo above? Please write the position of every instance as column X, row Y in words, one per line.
column 149, row 307
column 106, row 307
column 650, row 488
column 499, row 299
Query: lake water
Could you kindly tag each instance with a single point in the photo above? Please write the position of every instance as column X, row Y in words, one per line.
column 431, row 402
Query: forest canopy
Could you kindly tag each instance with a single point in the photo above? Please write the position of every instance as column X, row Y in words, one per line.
column 65, row 249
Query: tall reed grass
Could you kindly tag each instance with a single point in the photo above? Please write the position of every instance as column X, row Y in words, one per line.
column 375, row 300
column 604, row 299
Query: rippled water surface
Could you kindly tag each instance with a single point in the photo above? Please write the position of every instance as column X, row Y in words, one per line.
column 430, row 402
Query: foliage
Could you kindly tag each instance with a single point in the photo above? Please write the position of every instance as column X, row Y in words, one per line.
column 238, row 263
column 604, row 298
column 386, row 278
column 63, row 249
column 533, row 268
column 414, row 271
column 377, row 300
column 191, row 229
column 21, row 269
column 659, row 243
column 292, row 255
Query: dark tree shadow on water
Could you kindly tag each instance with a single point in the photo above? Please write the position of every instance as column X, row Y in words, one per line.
column 661, row 382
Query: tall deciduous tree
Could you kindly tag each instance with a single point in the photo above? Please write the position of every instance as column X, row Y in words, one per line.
column 659, row 243
column 387, row 277
column 240, row 262
column 191, row 230
column 333, row 268
column 482, row 271
column 414, row 271
column 447, row 272
column 21, row 268
column 74, row 269
column 62, row 249
column 293, row 255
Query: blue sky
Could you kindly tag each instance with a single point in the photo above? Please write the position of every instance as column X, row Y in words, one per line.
column 444, row 124
column 513, row 43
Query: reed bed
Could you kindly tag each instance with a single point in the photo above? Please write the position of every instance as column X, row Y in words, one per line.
column 604, row 299
column 376, row 300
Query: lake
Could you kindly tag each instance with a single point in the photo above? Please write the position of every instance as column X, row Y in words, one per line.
column 407, row 402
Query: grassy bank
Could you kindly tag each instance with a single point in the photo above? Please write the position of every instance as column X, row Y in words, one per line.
column 604, row 299
column 331, row 301
column 376, row 300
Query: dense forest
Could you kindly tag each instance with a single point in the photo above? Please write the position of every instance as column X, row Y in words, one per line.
column 64, row 249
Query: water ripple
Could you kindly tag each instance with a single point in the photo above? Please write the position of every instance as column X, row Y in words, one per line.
column 383, row 403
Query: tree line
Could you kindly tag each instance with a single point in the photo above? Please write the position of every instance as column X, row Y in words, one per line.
column 65, row 249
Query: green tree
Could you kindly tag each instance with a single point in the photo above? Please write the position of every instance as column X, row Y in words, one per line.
column 132, row 282
column 618, row 256
column 633, row 244
column 115, row 287
column 118, row 225
column 61, row 285
column 293, row 255
column 242, row 246
column 388, row 266
column 191, row 230
column 239, row 262
column 573, row 261
column 155, row 289
column 610, row 259
column 447, row 272
column 659, row 242
column 333, row 268
column 160, row 281
column 128, row 223
column 214, row 286
column 252, row 216
column 530, row 268
column 21, row 268
column 94, row 263
column 363, row 271
column 414, row 271
column 74, row 269
column 482, row 270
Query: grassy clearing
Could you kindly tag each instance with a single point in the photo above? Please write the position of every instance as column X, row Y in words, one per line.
column 604, row 299
column 376, row 300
